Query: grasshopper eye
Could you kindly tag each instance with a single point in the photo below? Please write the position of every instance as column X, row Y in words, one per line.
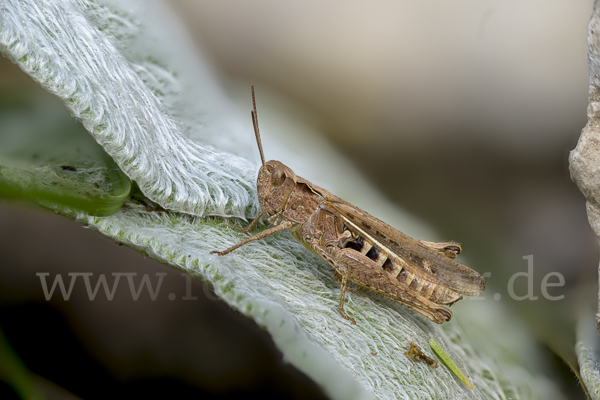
column 277, row 178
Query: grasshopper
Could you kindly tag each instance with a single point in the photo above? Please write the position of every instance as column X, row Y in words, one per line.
column 362, row 250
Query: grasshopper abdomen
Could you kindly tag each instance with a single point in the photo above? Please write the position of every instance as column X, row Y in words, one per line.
column 429, row 290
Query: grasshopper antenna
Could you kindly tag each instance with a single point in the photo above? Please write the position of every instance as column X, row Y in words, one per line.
column 255, row 123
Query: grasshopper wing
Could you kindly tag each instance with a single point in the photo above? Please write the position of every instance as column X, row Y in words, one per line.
column 415, row 256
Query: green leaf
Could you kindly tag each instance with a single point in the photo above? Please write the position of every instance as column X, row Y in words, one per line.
column 437, row 349
column 15, row 373
column 65, row 193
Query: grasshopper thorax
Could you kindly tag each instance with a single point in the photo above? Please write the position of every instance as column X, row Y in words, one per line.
column 275, row 184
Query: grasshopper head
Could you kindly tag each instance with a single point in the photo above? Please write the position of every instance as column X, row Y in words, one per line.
column 275, row 183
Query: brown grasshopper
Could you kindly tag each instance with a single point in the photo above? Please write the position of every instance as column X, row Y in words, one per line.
column 361, row 249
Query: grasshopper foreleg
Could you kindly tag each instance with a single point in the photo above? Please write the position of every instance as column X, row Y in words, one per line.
column 252, row 224
column 259, row 235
